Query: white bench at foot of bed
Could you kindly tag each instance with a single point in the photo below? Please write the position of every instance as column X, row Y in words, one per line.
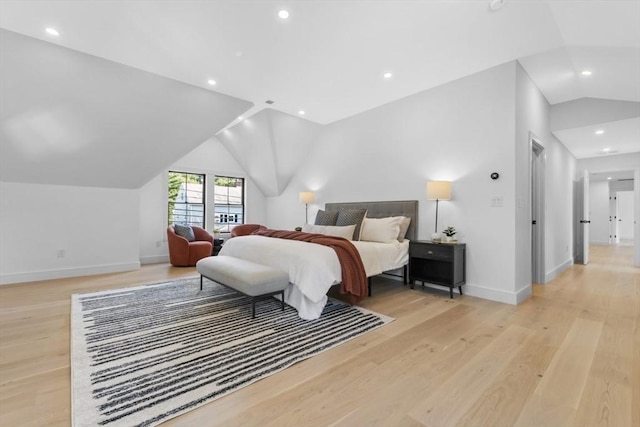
column 254, row 280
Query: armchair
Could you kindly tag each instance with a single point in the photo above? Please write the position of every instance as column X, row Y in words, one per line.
column 183, row 253
column 245, row 229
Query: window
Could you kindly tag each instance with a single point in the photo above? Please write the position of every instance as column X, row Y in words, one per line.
column 229, row 202
column 186, row 198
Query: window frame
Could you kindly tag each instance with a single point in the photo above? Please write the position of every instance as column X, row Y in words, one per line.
column 170, row 219
column 228, row 226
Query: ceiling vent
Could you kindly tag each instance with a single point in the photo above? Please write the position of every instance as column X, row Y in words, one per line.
column 268, row 101
column 496, row 4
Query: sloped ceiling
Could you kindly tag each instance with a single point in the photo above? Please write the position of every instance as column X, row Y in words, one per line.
column 591, row 127
column 270, row 146
column 70, row 118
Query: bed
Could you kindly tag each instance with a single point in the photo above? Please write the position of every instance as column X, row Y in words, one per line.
column 314, row 268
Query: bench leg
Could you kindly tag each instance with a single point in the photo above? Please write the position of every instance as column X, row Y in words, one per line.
column 201, row 282
column 369, row 285
column 282, row 296
column 253, row 308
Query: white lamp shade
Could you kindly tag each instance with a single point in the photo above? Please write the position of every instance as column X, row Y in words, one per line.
column 438, row 190
column 307, row 197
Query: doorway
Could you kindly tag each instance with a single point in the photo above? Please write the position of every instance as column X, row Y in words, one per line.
column 537, row 210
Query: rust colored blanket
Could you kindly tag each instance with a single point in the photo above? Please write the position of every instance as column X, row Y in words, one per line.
column 354, row 278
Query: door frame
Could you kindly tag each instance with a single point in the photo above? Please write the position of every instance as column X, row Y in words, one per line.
column 536, row 184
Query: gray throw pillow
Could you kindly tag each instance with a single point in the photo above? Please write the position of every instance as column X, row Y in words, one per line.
column 404, row 227
column 326, row 218
column 185, row 231
column 351, row 217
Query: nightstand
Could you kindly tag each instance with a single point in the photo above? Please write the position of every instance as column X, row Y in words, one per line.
column 217, row 245
column 438, row 263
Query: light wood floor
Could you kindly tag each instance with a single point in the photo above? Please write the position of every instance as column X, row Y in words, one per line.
column 569, row 356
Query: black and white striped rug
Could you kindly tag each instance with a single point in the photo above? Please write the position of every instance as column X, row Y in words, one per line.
column 140, row 356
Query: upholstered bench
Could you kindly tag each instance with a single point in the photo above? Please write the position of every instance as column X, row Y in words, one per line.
column 254, row 280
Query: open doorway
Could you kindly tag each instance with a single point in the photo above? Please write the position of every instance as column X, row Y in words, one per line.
column 613, row 202
column 537, row 210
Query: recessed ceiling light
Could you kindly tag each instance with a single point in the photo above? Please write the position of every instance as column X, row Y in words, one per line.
column 599, row 132
column 606, row 150
column 301, row 112
column 239, row 117
column 608, row 177
column 52, row 31
column 211, row 82
column 586, row 73
column 387, row 75
column 283, row 14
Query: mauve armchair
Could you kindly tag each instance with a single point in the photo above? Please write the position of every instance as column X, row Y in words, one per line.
column 246, row 229
column 183, row 253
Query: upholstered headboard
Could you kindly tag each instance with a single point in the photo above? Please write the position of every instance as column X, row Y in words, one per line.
column 408, row 208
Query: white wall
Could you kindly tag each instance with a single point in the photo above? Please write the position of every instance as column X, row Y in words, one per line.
column 210, row 158
column 599, row 212
column 461, row 131
column 97, row 228
column 533, row 117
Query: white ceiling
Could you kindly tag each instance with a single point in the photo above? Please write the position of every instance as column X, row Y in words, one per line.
column 329, row 56
column 583, row 142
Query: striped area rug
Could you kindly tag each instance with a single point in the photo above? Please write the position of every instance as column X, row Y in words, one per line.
column 143, row 355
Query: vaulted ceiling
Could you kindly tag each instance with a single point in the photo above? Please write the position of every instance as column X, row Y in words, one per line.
column 328, row 58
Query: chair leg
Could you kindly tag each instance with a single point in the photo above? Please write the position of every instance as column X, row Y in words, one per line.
column 253, row 308
column 201, row 282
column 369, row 285
column 282, row 300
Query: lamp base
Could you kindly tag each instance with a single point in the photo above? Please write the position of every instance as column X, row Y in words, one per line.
column 436, row 236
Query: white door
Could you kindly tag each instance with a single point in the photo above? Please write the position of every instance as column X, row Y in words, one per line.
column 582, row 211
column 625, row 215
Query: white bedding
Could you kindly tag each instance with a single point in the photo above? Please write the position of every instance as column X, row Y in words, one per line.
column 313, row 268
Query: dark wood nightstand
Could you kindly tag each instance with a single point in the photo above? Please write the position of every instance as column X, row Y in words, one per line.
column 217, row 245
column 438, row 263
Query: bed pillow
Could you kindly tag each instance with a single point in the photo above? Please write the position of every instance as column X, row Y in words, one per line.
column 352, row 217
column 404, row 227
column 331, row 230
column 383, row 230
column 326, row 218
column 185, row 231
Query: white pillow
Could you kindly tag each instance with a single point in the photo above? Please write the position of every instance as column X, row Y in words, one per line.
column 345, row 231
column 383, row 230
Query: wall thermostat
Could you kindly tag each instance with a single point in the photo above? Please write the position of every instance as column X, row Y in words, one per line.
column 495, row 175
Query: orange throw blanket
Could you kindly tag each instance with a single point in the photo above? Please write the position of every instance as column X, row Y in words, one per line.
column 354, row 278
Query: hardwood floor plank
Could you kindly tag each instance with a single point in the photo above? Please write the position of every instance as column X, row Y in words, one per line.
column 557, row 396
column 471, row 361
column 466, row 385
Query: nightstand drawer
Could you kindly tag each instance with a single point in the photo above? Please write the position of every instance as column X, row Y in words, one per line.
column 433, row 251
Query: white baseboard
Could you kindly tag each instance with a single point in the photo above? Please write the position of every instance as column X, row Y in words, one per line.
column 488, row 293
column 157, row 259
column 512, row 298
column 559, row 269
column 34, row 276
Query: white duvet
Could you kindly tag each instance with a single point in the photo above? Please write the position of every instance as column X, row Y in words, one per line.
column 313, row 268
